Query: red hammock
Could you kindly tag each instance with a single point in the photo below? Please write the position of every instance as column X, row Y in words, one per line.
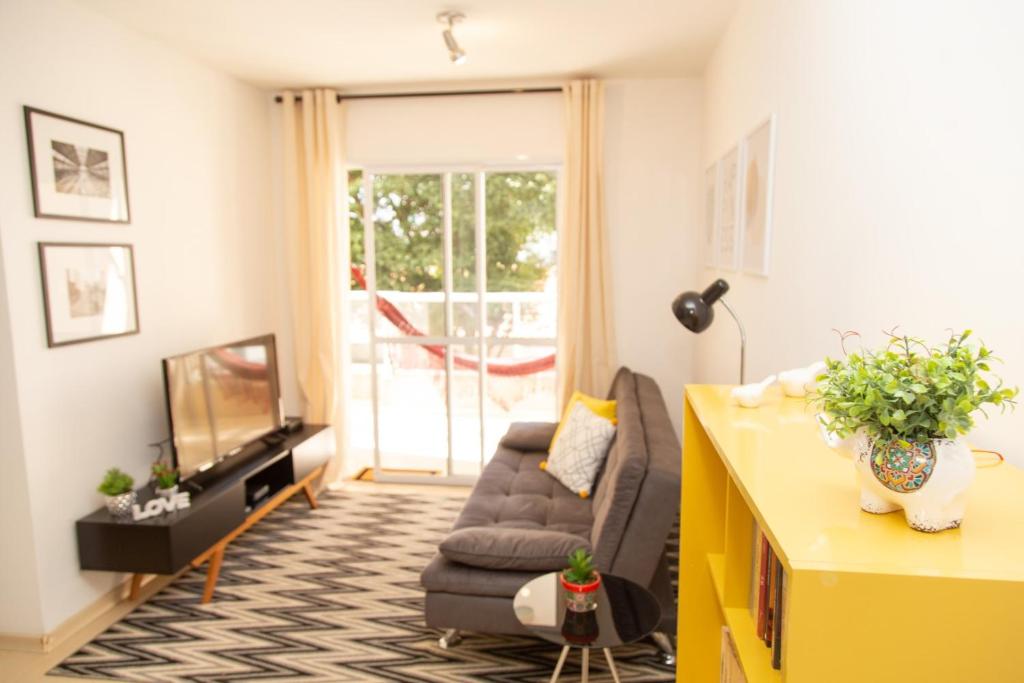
column 503, row 368
column 236, row 365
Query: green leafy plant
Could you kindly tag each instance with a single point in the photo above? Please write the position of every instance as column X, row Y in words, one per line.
column 581, row 569
column 165, row 475
column 115, row 482
column 910, row 391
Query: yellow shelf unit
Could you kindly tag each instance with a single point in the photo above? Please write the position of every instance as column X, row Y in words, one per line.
column 716, row 565
column 867, row 598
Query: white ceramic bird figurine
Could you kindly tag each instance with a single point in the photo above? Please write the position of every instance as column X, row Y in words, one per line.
column 799, row 381
column 751, row 395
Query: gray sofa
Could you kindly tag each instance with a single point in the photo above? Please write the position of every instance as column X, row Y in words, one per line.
column 519, row 522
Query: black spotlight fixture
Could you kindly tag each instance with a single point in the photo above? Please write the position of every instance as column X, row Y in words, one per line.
column 455, row 53
column 694, row 310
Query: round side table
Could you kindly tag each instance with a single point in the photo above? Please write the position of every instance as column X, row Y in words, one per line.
column 626, row 612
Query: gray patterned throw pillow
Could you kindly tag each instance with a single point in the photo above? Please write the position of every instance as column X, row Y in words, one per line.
column 580, row 450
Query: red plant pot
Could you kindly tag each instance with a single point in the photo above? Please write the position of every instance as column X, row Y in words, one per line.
column 581, row 597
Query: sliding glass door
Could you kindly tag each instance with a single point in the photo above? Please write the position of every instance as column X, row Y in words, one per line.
column 453, row 315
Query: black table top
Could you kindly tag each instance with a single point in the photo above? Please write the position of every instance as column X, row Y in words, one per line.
column 626, row 612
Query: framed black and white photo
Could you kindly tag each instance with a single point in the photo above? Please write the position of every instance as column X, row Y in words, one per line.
column 756, row 215
column 88, row 291
column 78, row 168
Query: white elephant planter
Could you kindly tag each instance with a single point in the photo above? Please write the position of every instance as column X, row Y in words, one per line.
column 928, row 480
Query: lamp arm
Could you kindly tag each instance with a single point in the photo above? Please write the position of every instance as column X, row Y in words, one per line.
column 743, row 340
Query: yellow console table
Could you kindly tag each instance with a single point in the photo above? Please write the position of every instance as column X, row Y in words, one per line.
column 868, row 598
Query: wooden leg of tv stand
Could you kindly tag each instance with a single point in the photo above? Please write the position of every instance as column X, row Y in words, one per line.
column 307, row 488
column 215, row 555
column 133, row 591
column 212, row 572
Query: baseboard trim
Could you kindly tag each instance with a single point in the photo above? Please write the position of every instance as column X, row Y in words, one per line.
column 18, row 643
column 103, row 605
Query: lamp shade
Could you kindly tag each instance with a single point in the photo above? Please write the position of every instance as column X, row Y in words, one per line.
column 693, row 309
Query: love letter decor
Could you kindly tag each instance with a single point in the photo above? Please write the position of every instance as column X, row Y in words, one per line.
column 159, row 506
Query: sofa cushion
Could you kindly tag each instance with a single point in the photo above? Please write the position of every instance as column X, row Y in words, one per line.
column 513, row 492
column 446, row 576
column 580, row 451
column 531, row 437
column 599, row 407
column 509, row 548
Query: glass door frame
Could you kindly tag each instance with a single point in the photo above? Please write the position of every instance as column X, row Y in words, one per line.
column 448, row 340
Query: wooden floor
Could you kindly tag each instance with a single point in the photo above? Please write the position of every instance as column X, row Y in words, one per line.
column 31, row 667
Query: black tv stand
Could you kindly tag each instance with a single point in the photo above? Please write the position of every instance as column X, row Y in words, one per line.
column 226, row 500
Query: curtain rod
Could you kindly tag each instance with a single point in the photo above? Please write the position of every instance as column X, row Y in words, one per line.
column 435, row 93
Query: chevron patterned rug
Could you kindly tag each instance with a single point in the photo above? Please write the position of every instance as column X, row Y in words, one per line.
column 324, row 595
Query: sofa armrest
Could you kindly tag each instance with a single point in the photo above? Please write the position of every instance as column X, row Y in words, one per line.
column 655, row 511
column 529, row 437
column 491, row 547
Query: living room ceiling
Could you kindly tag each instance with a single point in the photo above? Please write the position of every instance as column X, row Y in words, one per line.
column 290, row 43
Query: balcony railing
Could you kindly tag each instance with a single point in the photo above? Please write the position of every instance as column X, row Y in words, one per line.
column 411, row 383
column 512, row 317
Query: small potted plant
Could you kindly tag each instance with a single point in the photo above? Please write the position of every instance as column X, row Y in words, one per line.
column 580, row 581
column 166, row 478
column 117, row 487
column 903, row 412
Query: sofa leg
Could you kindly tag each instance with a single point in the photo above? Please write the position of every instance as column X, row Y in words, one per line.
column 664, row 643
column 451, row 638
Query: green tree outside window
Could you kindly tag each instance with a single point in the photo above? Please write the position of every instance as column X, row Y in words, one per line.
column 408, row 209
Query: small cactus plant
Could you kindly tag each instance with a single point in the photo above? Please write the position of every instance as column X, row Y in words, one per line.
column 581, row 569
column 581, row 582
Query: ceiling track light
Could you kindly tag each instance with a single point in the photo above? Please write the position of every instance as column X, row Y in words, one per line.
column 449, row 19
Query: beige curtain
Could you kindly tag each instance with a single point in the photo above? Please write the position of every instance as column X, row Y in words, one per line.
column 317, row 238
column 586, row 339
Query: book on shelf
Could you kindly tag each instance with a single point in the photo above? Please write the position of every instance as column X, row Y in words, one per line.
column 730, row 670
column 769, row 599
column 779, row 586
column 763, row 558
column 782, row 611
column 767, row 594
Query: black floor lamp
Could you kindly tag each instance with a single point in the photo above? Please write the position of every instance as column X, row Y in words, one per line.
column 694, row 310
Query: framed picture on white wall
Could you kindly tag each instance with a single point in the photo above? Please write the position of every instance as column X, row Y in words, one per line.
column 78, row 168
column 756, row 206
column 88, row 291
column 727, row 233
column 710, row 214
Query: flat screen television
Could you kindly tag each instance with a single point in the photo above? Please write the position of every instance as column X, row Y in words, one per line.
column 221, row 399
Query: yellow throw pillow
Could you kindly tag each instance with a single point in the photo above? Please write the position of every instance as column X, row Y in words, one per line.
column 599, row 407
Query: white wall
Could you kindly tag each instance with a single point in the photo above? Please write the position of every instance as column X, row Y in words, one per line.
column 653, row 199
column 524, row 128
column 197, row 157
column 900, row 158
column 19, row 581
